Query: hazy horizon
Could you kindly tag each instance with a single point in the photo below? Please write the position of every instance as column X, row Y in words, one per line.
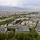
column 21, row 3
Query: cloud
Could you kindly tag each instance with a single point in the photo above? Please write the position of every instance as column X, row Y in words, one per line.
column 9, row 2
column 21, row 3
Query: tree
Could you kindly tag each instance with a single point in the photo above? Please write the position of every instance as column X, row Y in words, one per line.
column 33, row 33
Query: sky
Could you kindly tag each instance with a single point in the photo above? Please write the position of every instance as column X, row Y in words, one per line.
column 21, row 3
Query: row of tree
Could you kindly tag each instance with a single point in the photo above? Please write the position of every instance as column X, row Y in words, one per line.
column 12, row 35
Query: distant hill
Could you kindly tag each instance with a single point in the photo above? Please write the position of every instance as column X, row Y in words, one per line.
column 6, row 10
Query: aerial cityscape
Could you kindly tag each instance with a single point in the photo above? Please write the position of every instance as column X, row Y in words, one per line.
column 19, row 19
